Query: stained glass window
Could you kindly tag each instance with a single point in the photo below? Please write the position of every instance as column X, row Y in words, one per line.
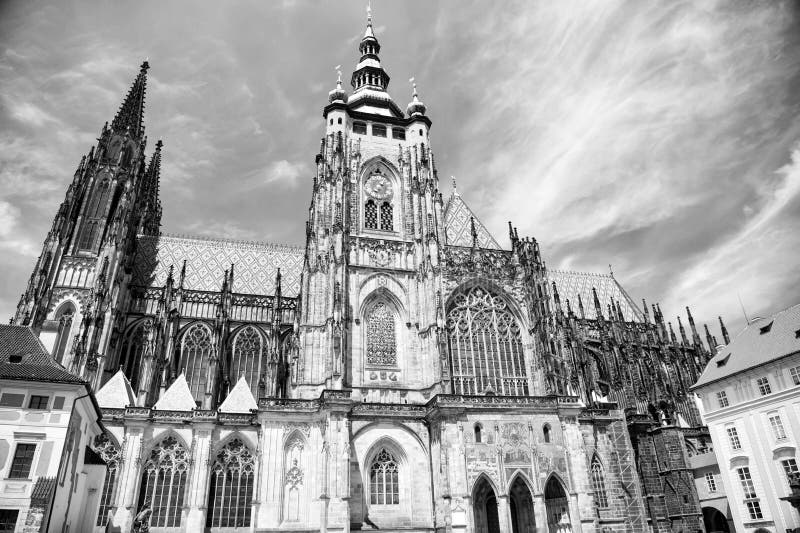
column 384, row 484
column 196, row 352
column 381, row 339
column 386, row 217
column 247, row 358
column 599, row 484
column 485, row 345
column 230, row 495
column 371, row 215
column 110, row 453
column 164, row 483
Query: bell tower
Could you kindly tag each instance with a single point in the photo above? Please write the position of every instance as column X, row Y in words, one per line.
column 76, row 292
column 370, row 316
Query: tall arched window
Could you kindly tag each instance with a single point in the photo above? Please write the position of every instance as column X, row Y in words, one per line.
column 164, row 482
column 381, row 336
column 371, row 215
column 247, row 357
column 131, row 355
column 546, row 432
column 64, row 317
column 110, row 453
column 196, row 352
column 599, row 483
column 230, row 493
column 387, row 220
column 478, row 428
column 485, row 345
column 384, row 484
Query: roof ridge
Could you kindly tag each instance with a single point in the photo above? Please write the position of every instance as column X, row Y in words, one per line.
column 205, row 238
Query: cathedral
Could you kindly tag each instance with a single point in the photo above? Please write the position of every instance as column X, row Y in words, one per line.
column 400, row 371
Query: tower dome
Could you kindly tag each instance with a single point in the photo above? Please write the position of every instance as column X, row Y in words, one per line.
column 338, row 94
column 416, row 107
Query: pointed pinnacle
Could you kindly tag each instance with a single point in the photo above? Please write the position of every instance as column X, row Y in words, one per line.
column 130, row 116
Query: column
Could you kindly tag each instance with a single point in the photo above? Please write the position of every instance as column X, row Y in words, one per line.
column 130, row 469
column 196, row 498
column 504, row 512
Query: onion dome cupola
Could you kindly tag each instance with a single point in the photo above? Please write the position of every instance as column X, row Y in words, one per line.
column 416, row 107
column 338, row 94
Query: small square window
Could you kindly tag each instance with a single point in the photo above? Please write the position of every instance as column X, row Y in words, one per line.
column 38, row 402
column 766, row 329
column 795, row 374
column 790, row 467
column 733, row 437
column 359, row 128
column 8, row 519
column 764, row 386
column 23, row 459
column 399, row 133
column 777, row 427
column 754, row 508
column 722, row 399
column 711, row 482
column 379, row 130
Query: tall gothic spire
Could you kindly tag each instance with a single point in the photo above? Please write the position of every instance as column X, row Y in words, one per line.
column 131, row 112
column 151, row 220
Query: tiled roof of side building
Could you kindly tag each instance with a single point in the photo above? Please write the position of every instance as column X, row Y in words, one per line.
column 35, row 363
column 255, row 264
column 762, row 341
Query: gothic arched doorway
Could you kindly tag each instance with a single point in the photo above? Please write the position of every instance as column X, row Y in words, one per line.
column 715, row 521
column 484, row 506
column 557, row 505
column 522, row 517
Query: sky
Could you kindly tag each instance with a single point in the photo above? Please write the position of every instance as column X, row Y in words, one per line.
column 661, row 138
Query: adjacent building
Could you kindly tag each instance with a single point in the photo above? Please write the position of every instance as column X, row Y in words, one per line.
column 750, row 393
column 49, row 475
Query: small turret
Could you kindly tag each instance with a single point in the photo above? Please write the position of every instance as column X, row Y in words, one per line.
column 416, row 107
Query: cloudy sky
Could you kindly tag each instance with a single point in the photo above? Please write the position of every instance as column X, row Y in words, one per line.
column 660, row 137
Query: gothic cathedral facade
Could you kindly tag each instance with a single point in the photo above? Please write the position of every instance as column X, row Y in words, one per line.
column 402, row 371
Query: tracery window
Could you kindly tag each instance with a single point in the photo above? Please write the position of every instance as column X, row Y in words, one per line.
column 196, row 352
column 371, row 215
column 132, row 353
column 230, row 494
column 247, row 357
column 381, row 338
column 384, row 485
column 110, row 453
column 599, row 483
column 485, row 345
column 387, row 217
column 164, row 482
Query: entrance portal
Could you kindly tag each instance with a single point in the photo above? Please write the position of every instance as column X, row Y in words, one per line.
column 484, row 505
column 522, row 517
column 557, row 505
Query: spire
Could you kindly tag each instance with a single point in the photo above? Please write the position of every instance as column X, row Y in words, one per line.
column 725, row 336
column 709, row 339
column 151, row 219
column 415, row 107
column 130, row 116
column 682, row 330
column 695, row 335
column 369, row 73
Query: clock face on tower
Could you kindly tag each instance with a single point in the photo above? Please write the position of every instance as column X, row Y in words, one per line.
column 378, row 186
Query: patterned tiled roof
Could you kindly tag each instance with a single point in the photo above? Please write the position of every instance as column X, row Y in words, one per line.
column 457, row 225
column 255, row 264
column 570, row 284
column 762, row 341
column 36, row 363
